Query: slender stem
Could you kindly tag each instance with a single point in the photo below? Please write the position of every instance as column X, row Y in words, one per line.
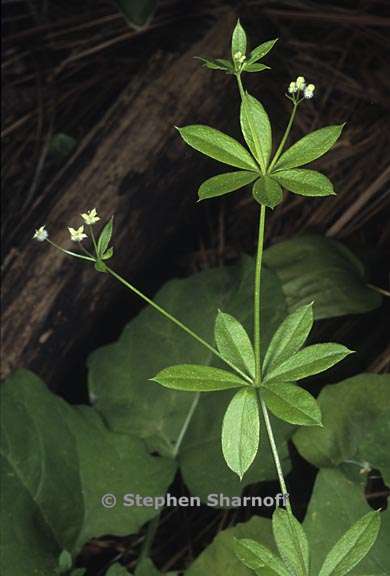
column 177, row 322
column 240, row 86
column 69, row 252
column 187, row 422
column 380, row 290
column 256, row 306
column 93, row 239
column 285, row 136
column 149, row 537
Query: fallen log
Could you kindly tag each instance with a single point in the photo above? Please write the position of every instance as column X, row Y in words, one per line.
column 132, row 165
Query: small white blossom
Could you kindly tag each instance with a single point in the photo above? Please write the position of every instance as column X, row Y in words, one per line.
column 77, row 235
column 90, row 217
column 309, row 91
column 239, row 57
column 41, row 234
column 300, row 82
column 292, row 88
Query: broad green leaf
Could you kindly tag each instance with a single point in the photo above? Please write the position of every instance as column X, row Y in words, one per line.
column 291, row 541
column 118, row 570
column 225, row 183
column 355, row 431
column 304, row 182
column 121, row 391
column 218, row 145
column 241, row 431
column 104, row 238
column 352, row 547
column 233, row 343
column 267, row 191
column 336, row 504
column 65, row 561
column 197, row 378
column 238, row 40
column 246, row 555
column 254, row 67
column 260, row 51
column 57, row 462
column 219, row 558
column 265, row 556
column 292, row 403
column 146, row 568
column 137, row 12
column 320, row 270
column 108, row 254
column 256, row 129
column 216, row 63
column 289, row 337
column 308, row 361
column 309, row 148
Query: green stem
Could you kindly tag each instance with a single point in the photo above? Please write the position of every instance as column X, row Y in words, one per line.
column 256, row 307
column 149, row 537
column 285, row 136
column 240, row 86
column 69, row 252
column 177, row 322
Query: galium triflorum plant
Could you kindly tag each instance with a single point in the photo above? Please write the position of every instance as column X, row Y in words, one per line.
column 265, row 380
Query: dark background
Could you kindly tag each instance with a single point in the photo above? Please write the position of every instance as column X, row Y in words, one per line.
column 76, row 78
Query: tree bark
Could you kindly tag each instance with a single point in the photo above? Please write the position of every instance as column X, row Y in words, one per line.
column 133, row 165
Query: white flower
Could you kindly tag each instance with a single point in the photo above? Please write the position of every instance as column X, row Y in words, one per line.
column 90, row 217
column 77, row 235
column 41, row 234
column 309, row 91
column 300, row 82
column 292, row 87
column 239, row 57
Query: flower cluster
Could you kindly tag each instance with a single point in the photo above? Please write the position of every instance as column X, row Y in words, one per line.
column 239, row 57
column 299, row 85
column 76, row 234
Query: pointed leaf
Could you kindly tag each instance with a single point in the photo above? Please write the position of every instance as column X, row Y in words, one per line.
column 289, row 337
column 216, row 63
column 308, row 361
column 310, row 147
column 292, row 404
column 238, row 39
column 304, row 182
column 261, row 50
column 267, row 191
column 256, row 128
column 291, row 541
column 194, row 378
column 233, row 343
column 225, row 183
column 104, row 238
column 353, row 546
column 241, row 431
column 218, row 145
column 254, row 67
column 246, row 548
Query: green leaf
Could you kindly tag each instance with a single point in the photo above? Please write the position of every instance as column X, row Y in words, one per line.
column 218, row 145
column 57, row 462
column 254, row 67
column 65, row 561
column 137, row 12
column 196, row 378
column 238, row 40
column 332, row 491
column 104, row 238
column 320, row 270
column 261, row 51
column 216, row 63
column 292, row 404
column 233, row 343
column 129, row 403
column 241, row 431
column 308, row 361
column 256, row 129
column 146, row 568
column 291, row 541
column 225, row 183
column 352, row 547
column 304, row 182
column 108, row 254
column 267, row 191
column 310, row 147
column 354, row 432
column 220, row 559
column 289, row 337
column 118, row 570
column 264, row 555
